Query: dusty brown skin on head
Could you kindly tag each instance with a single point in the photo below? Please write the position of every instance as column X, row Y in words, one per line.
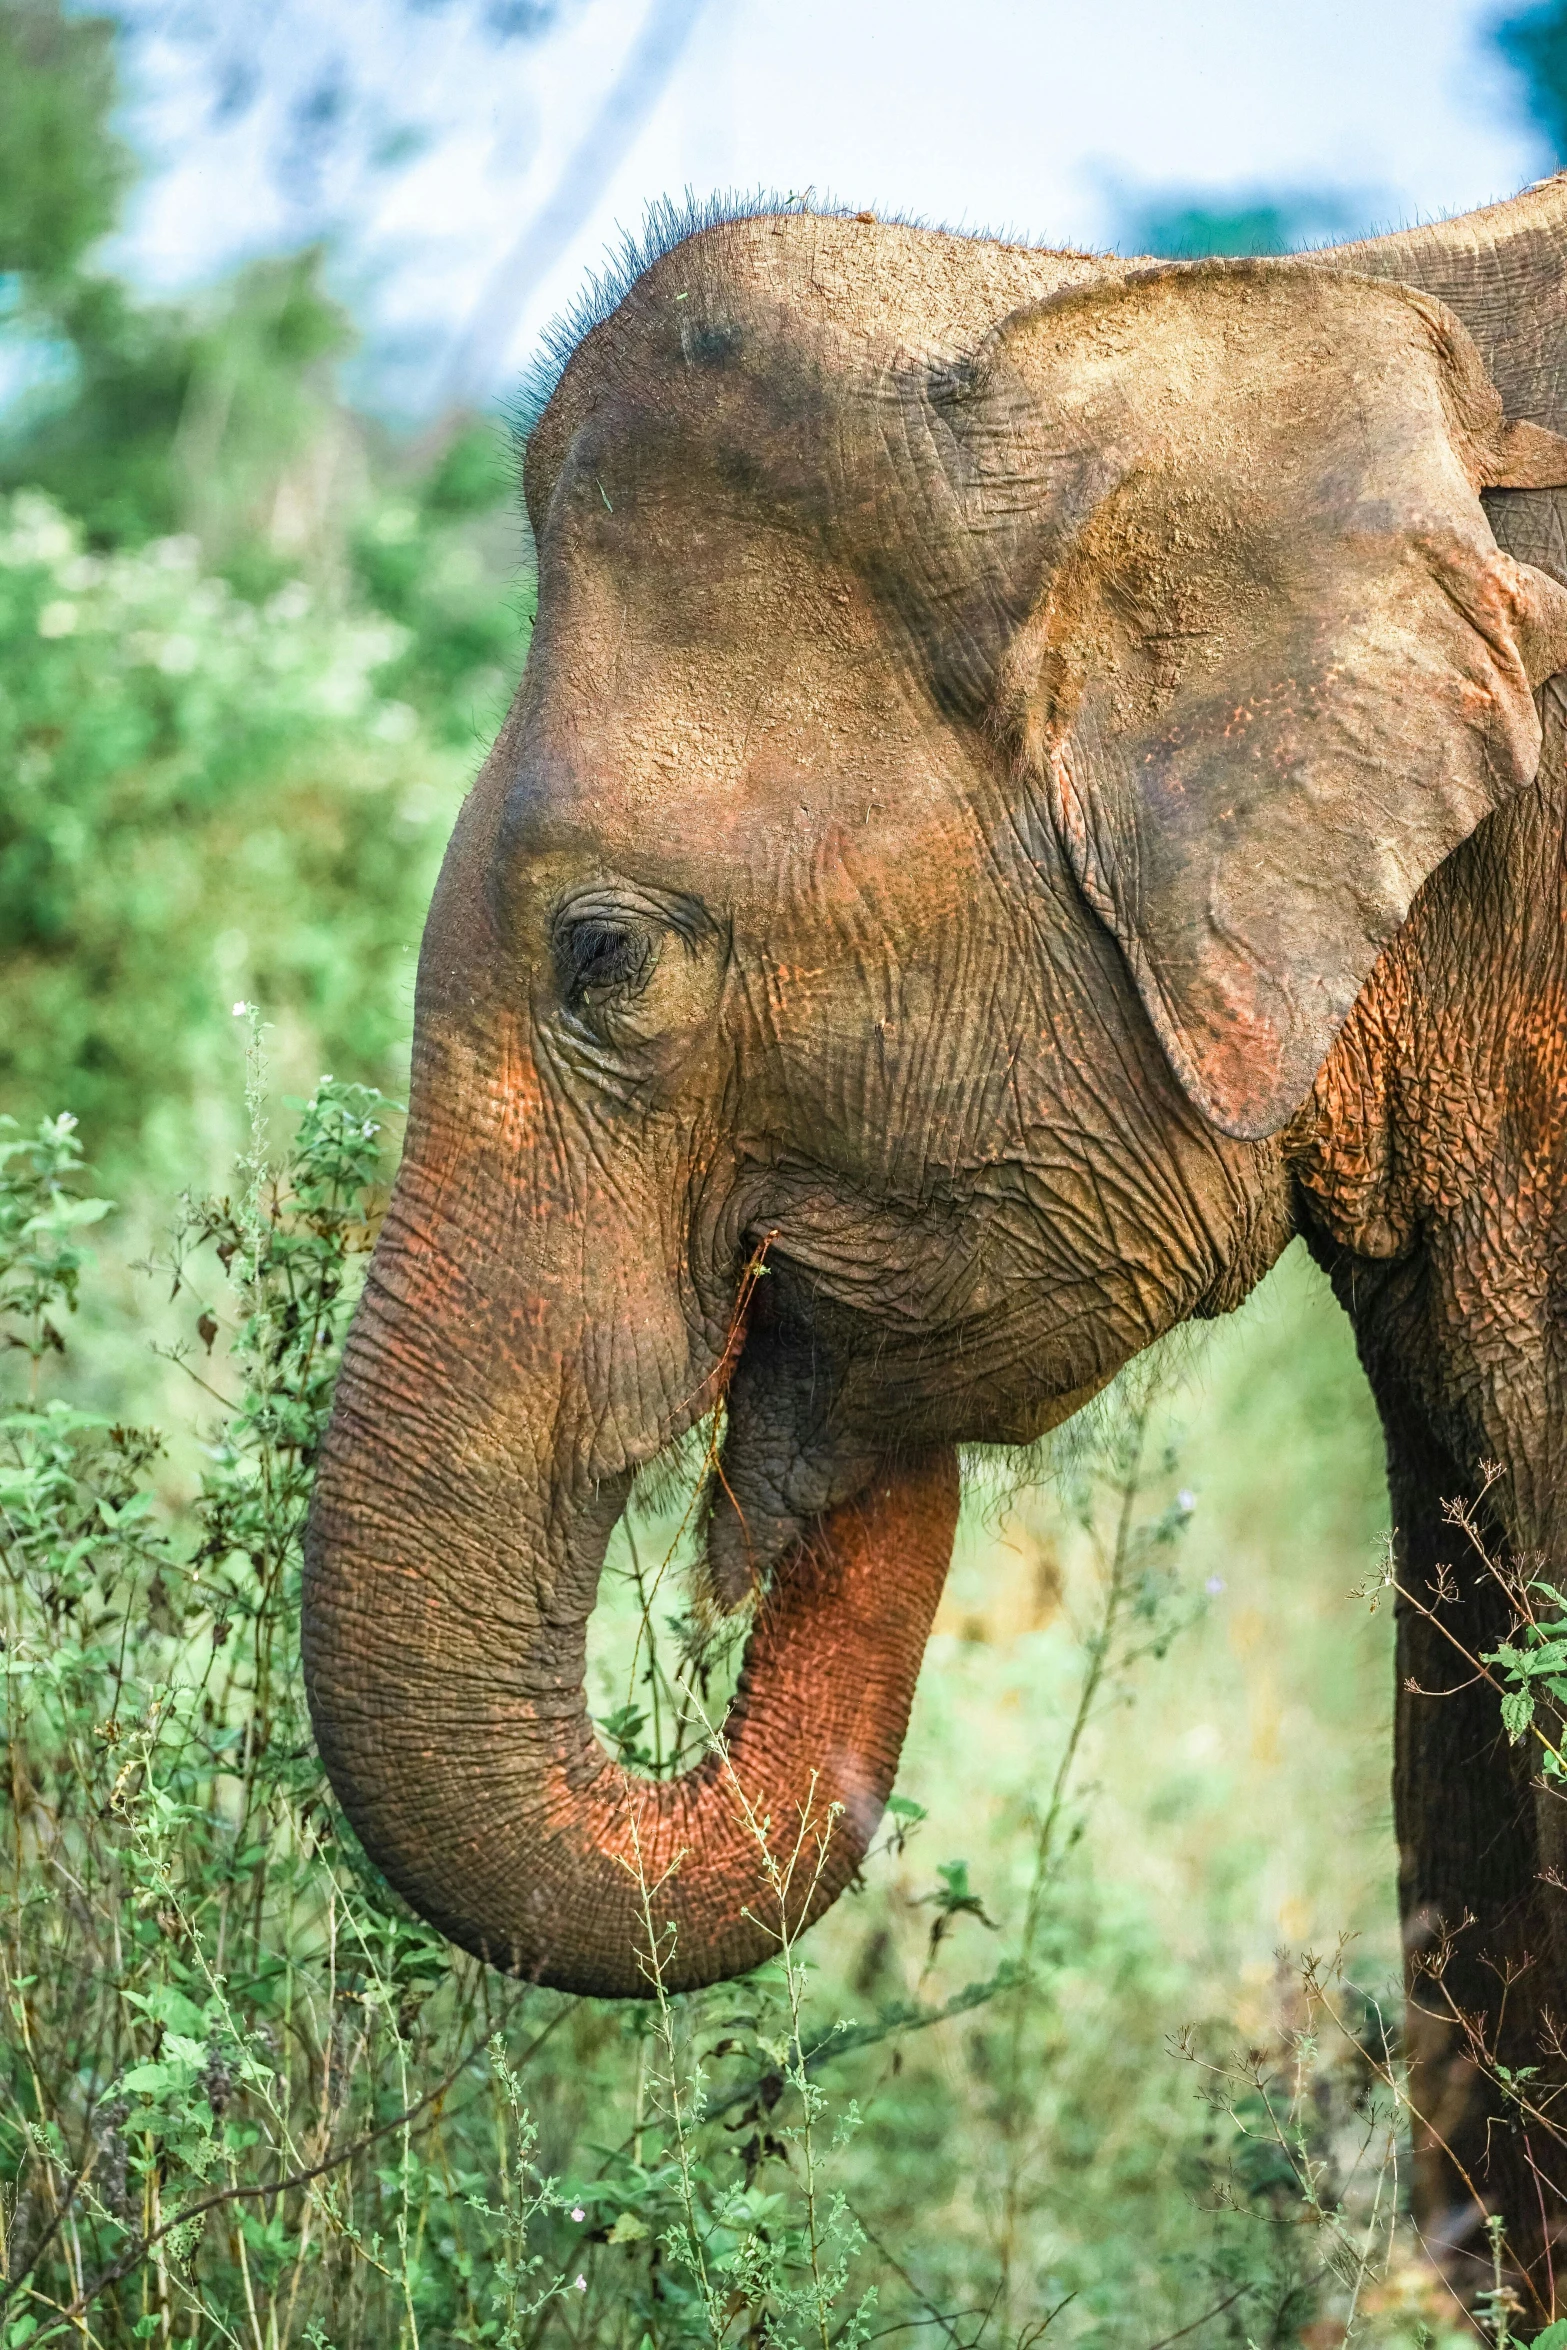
column 989, row 712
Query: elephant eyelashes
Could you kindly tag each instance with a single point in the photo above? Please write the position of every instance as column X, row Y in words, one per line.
column 599, row 959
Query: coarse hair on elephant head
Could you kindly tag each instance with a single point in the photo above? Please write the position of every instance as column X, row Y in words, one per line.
column 987, row 712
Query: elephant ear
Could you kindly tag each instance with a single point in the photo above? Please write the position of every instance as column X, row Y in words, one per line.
column 1274, row 667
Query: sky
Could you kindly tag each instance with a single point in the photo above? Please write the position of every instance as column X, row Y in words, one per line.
column 1047, row 119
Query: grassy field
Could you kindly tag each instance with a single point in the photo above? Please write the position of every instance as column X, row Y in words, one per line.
column 1085, row 2050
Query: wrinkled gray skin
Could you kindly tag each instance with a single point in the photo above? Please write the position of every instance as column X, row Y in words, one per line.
column 990, row 716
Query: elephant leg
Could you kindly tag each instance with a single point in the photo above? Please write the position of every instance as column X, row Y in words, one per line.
column 1479, row 1962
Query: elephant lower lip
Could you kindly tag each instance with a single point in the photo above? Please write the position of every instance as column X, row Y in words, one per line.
column 743, row 1548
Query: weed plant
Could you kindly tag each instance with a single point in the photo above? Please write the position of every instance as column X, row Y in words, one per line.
column 206, row 797
column 250, row 2099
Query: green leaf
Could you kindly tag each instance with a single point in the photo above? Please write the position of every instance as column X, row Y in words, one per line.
column 955, row 1893
column 169, row 2006
column 147, row 2080
column 68, row 1212
column 1517, row 1713
column 628, row 2229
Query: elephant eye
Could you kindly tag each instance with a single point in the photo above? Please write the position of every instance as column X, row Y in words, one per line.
column 599, row 957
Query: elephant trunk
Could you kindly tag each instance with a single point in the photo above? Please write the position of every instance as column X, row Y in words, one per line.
column 460, row 1519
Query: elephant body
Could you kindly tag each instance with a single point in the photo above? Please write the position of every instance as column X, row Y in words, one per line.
column 1431, row 1190
column 1027, row 793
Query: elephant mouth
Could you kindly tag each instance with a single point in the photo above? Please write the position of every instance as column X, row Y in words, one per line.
column 658, row 1805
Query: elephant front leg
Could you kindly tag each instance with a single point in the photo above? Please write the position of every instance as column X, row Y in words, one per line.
column 1481, row 1969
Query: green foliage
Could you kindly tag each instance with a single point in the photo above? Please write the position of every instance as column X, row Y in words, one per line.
column 142, row 418
column 414, row 560
column 207, row 1988
column 1269, row 221
column 249, row 2098
column 1533, row 41
column 40, row 1261
column 215, row 416
column 209, row 800
column 61, row 172
column 247, row 654
column 1532, row 1665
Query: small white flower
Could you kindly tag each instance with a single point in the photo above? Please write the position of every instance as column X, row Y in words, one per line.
column 240, row 1009
column 395, row 722
column 416, row 807
column 57, row 619
column 577, row 2212
column 291, row 602
column 178, row 656
column 1214, row 1585
column 581, row 2284
column 1186, row 1499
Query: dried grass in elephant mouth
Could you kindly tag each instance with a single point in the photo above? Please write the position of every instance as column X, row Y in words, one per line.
column 658, row 1554
column 663, row 1659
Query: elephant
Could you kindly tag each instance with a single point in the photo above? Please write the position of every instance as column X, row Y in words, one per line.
column 1026, row 794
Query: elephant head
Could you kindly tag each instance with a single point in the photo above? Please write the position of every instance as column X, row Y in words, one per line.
column 987, row 712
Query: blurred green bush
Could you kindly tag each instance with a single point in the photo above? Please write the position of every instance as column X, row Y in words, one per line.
column 249, row 651
column 209, row 799
column 62, row 172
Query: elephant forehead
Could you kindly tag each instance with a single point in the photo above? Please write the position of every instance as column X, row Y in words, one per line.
column 764, row 485
column 735, row 731
column 800, row 812
column 717, row 297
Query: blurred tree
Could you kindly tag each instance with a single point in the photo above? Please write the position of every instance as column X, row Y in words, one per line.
column 189, row 416
column 246, row 646
column 146, row 418
column 1186, row 224
column 62, row 173
column 323, row 91
column 1533, row 41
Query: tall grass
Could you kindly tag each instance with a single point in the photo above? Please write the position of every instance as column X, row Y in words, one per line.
column 250, row 2099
